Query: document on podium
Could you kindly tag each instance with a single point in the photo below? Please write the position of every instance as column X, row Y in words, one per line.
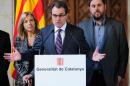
column 60, row 70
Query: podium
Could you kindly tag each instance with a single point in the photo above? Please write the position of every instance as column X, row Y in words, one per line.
column 60, row 70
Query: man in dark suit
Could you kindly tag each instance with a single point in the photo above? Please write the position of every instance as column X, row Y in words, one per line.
column 71, row 40
column 5, row 47
column 108, row 37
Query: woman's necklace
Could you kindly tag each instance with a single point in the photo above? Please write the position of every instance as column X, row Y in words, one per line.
column 31, row 39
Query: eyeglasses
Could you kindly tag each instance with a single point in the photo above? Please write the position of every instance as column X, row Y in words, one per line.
column 61, row 15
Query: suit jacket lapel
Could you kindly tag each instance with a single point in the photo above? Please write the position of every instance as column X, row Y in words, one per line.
column 91, row 33
column 50, row 37
column 108, row 30
column 67, row 37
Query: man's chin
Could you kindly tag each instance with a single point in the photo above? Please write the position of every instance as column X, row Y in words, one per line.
column 97, row 18
column 58, row 26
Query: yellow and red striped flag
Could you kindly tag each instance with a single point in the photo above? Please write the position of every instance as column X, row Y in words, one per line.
column 34, row 6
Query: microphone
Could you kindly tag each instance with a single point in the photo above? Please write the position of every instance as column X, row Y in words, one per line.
column 42, row 41
column 81, row 42
column 76, row 41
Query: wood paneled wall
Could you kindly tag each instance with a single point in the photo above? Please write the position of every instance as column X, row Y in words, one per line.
column 79, row 11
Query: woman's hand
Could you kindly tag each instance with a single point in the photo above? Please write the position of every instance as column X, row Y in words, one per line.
column 26, row 78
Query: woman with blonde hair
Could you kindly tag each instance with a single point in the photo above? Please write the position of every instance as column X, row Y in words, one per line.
column 27, row 32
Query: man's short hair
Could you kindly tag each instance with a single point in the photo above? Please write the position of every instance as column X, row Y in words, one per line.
column 89, row 1
column 60, row 4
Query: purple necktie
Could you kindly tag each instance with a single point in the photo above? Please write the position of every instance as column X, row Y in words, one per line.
column 59, row 42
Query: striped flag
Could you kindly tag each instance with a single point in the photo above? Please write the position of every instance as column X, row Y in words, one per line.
column 34, row 6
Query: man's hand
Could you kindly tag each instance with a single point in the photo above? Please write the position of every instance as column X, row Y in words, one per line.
column 97, row 56
column 119, row 80
column 14, row 56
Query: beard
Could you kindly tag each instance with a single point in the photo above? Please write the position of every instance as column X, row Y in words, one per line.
column 98, row 15
column 98, row 18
